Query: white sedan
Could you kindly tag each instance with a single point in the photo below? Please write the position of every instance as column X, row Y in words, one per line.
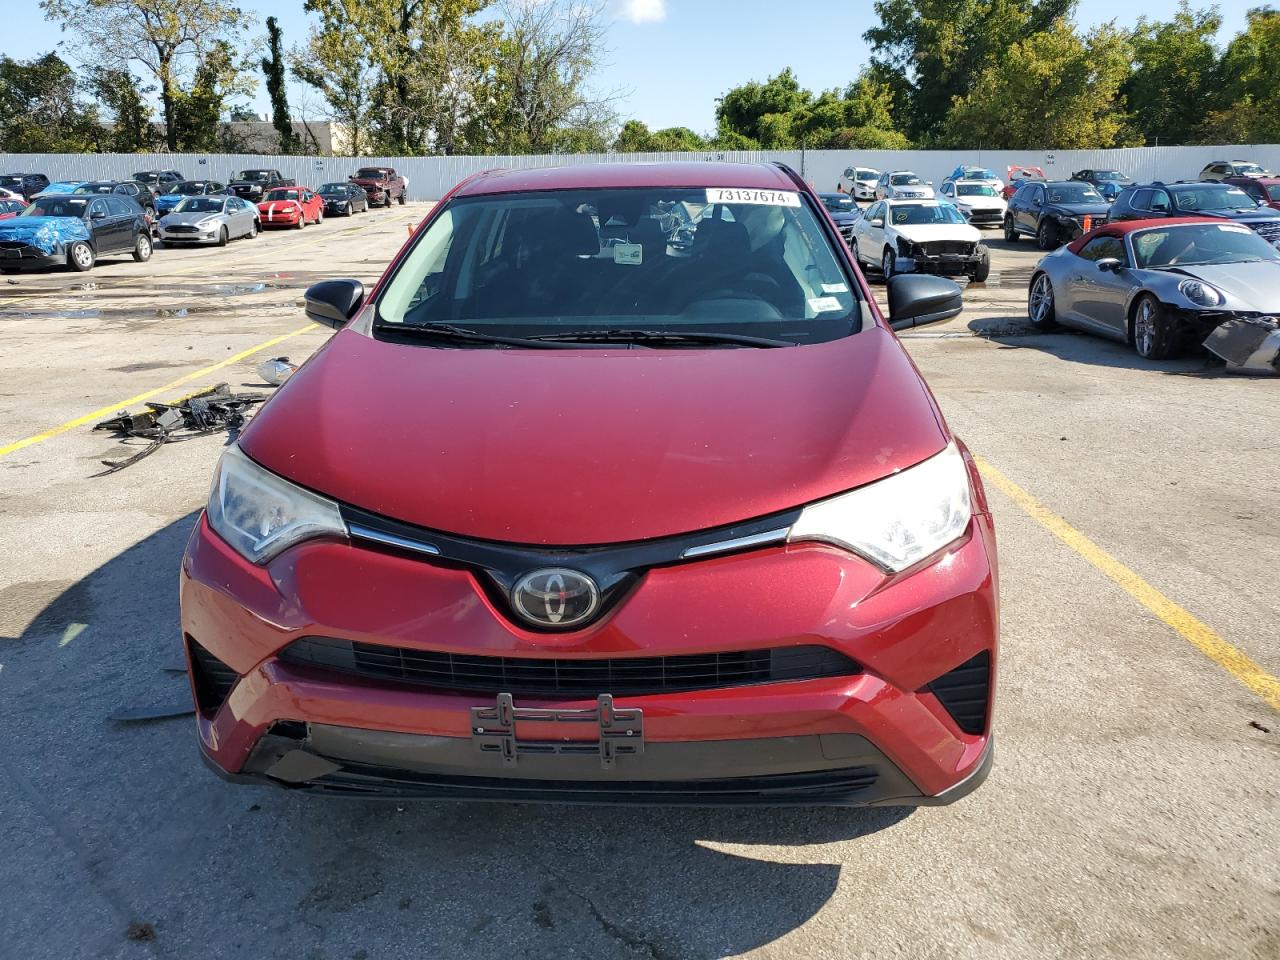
column 902, row 185
column 919, row 236
column 982, row 204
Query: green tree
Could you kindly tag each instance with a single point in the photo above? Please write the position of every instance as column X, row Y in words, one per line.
column 1175, row 66
column 122, row 94
column 1053, row 89
column 930, row 50
column 170, row 40
column 41, row 110
column 635, row 137
column 742, row 110
column 198, row 110
column 1249, row 107
column 273, row 68
column 344, row 74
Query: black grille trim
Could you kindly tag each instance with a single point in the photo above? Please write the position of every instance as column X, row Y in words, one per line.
column 965, row 692
column 213, row 679
column 575, row 677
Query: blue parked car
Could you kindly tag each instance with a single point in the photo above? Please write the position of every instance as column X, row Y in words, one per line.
column 186, row 188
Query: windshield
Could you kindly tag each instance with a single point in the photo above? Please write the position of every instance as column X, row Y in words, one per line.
column 280, row 193
column 916, row 213
column 333, row 188
column 11, row 183
column 56, row 207
column 904, row 179
column 976, row 190
column 1248, row 169
column 187, row 186
column 253, row 175
column 1200, row 243
column 1213, row 198
column 866, row 175
column 11, row 206
column 1108, row 175
column 370, row 173
column 836, row 202
column 200, row 205
column 94, row 188
column 977, row 173
column 1273, row 191
column 1073, row 193
column 677, row 259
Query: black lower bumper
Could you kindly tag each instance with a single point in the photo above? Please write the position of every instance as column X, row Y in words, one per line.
column 30, row 258
column 817, row 770
column 945, row 265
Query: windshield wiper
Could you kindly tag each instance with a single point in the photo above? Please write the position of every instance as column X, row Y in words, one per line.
column 447, row 331
column 671, row 336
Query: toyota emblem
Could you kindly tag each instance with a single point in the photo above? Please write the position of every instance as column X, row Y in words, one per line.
column 555, row 597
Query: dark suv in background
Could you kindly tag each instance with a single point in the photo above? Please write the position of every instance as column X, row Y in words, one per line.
column 27, row 184
column 1054, row 212
column 1196, row 199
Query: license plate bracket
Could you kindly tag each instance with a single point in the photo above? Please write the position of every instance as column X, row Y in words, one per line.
column 620, row 731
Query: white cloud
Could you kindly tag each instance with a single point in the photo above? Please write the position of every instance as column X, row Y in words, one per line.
column 645, row 11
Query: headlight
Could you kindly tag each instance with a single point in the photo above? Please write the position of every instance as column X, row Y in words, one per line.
column 260, row 514
column 897, row 521
column 1200, row 293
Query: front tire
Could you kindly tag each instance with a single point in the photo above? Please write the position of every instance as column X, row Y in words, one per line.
column 302, row 219
column 853, row 252
column 886, row 264
column 401, row 200
column 983, row 269
column 253, row 228
column 1047, row 235
column 1010, row 231
column 1040, row 308
column 81, row 257
column 142, row 248
column 1154, row 335
column 222, row 237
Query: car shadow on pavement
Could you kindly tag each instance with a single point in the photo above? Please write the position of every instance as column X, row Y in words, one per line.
column 135, row 830
column 1015, row 332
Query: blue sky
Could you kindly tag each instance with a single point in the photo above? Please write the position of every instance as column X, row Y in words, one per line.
column 672, row 58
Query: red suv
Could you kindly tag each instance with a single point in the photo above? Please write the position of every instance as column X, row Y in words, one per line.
column 616, row 488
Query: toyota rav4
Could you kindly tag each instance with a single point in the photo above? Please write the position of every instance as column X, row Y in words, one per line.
column 617, row 487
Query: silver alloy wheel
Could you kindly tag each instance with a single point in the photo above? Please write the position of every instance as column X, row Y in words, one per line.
column 83, row 255
column 1041, row 299
column 886, row 265
column 1144, row 328
column 853, row 249
column 144, row 246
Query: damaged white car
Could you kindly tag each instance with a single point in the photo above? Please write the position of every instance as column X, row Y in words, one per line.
column 919, row 236
column 1166, row 285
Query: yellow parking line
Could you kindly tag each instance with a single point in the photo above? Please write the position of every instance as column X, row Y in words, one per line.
column 1186, row 624
column 106, row 411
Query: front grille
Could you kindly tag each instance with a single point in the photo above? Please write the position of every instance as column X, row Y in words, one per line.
column 563, row 676
column 965, row 692
column 939, row 248
column 1269, row 230
column 182, row 228
column 12, row 244
column 212, row 678
column 985, row 216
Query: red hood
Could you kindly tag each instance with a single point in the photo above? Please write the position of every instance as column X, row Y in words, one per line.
column 565, row 447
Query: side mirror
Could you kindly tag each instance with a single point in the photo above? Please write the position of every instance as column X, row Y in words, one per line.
column 919, row 299
column 332, row 302
column 96, row 215
column 877, row 222
column 1110, row 265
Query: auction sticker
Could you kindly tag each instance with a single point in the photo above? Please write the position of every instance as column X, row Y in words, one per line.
column 767, row 198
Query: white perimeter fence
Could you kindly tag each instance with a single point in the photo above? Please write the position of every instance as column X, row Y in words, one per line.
column 431, row 177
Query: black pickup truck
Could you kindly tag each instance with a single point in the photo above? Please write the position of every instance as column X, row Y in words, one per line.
column 251, row 185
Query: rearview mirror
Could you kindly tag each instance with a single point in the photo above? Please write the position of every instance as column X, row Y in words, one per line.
column 920, row 299
column 332, row 302
column 1110, row 265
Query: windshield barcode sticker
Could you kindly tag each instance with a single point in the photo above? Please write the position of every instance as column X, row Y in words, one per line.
column 769, row 198
column 824, row 304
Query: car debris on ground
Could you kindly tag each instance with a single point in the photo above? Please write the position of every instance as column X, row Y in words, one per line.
column 276, row 370
column 1247, row 344
column 199, row 415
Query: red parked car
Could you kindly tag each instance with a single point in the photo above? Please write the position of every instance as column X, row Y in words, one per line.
column 616, row 488
column 11, row 208
column 290, row 207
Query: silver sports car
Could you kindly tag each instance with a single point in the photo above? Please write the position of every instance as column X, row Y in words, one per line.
column 1161, row 285
column 211, row 219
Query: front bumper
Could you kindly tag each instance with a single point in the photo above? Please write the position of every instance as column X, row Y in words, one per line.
column 24, row 256
column 278, row 219
column 200, row 236
column 878, row 735
column 945, row 264
column 989, row 217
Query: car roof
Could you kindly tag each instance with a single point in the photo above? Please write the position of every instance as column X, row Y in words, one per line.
column 749, row 176
column 1266, row 181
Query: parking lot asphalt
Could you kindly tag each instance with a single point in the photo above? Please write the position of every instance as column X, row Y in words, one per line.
column 1134, row 807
